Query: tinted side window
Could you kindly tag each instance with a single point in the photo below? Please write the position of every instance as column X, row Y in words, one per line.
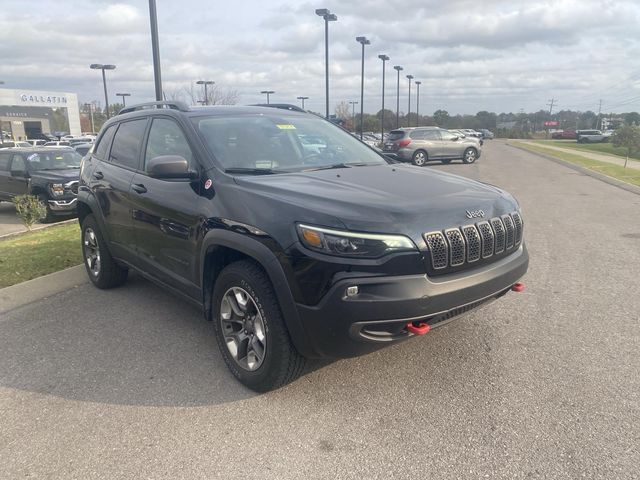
column 167, row 138
column 417, row 134
column 4, row 161
column 447, row 135
column 18, row 164
column 432, row 135
column 395, row 135
column 127, row 143
column 103, row 146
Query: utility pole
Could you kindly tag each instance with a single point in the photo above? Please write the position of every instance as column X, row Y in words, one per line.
column 551, row 103
column 353, row 114
column 155, row 48
column 599, row 111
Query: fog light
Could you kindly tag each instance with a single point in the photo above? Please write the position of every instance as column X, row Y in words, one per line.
column 352, row 291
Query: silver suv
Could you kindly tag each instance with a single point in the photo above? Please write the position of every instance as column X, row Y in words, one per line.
column 422, row 144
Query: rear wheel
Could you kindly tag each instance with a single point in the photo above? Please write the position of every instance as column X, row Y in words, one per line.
column 470, row 155
column 250, row 330
column 420, row 158
column 102, row 269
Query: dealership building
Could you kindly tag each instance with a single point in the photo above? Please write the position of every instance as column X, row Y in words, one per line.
column 27, row 113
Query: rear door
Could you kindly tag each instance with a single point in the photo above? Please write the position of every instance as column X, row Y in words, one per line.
column 165, row 211
column 117, row 157
column 5, row 175
column 18, row 182
column 432, row 143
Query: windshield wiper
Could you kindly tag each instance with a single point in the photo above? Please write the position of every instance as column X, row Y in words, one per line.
column 253, row 171
column 339, row 165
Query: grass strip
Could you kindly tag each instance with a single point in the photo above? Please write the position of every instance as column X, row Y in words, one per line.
column 33, row 254
column 605, row 148
column 628, row 175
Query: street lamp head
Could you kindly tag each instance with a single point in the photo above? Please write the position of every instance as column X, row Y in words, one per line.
column 123, row 94
column 205, row 82
column 267, row 91
column 109, row 67
column 303, row 98
column 363, row 40
column 332, row 17
column 321, row 12
column 384, row 58
column 418, row 82
column 410, row 77
column 398, row 68
column 96, row 66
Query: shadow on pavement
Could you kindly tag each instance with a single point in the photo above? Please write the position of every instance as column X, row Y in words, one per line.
column 134, row 345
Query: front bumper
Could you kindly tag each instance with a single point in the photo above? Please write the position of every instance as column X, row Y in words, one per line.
column 63, row 206
column 343, row 326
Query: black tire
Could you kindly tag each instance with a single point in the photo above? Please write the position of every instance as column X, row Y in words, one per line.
column 470, row 155
column 281, row 363
column 48, row 218
column 108, row 273
column 420, row 158
column 446, row 161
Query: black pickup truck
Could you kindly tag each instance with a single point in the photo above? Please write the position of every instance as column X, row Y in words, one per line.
column 51, row 174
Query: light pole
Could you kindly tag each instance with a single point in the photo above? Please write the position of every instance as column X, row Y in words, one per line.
column 418, row 83
column 353, row 114
column 90, row 105
column 206, row 94
column 303, row 99
column 267, row 93
column 155, row 49
column 398, row 68
column 328, row 17
column 122, row 95
column 384, row 59
column 99, row 66
column 362, row 41
column 409, row 77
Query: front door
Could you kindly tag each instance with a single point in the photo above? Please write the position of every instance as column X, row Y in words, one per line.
column 450, row 145
column 165, row 212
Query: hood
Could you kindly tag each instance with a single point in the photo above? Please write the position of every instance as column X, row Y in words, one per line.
column 384, row 199
column 56, row 176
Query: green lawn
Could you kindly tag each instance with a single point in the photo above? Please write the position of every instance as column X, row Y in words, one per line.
column 629, row 175
column 33, row 254
column 607, row 148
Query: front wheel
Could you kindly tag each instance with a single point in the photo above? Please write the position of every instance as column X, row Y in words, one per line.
column 470, row 155
column 250, row 330
column 420, row 158
column 102, row 269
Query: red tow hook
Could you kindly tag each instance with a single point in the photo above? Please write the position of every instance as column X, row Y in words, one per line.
column 420, row 329
column 518, row 287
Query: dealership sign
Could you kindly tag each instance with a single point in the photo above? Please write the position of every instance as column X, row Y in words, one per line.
column 551, row 123
column 43, row 99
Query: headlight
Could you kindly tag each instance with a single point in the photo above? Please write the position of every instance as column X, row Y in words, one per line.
column 57, row 189
column 352, row 244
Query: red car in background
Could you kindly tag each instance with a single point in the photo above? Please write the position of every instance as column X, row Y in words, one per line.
column 564, row 135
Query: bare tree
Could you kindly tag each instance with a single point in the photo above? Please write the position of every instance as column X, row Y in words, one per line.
column 194, row 94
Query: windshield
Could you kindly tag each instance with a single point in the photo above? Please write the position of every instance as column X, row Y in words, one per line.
column 276, row 144
column 54, row 160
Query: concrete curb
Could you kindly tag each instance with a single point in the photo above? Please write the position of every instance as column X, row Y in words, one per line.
column 39, row 227
column 42, row 287
column 604, row 178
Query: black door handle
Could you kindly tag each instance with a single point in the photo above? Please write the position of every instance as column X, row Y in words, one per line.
column 98, row 175
column 138, row 187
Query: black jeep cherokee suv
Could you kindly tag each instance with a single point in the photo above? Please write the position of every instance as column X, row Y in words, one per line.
column 293, row 249
column 51, row 174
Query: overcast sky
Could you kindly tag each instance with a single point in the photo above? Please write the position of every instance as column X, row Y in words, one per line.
column 471, row 55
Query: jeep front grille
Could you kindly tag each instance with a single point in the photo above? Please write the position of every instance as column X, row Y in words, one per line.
column 459, row 247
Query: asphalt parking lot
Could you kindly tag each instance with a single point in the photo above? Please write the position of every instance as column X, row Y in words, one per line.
column 9, row 222
column 129, row 383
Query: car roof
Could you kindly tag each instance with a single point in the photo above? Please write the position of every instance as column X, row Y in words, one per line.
column 39, row 149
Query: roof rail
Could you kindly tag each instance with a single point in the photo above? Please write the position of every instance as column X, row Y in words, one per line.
column 173, row 105
column 282, row 106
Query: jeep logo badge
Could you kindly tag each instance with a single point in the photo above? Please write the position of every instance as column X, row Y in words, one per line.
column 475, row 214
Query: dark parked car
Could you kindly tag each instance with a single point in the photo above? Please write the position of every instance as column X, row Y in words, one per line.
column 422, row 144
column 50, row 174
column 564, row 135
column 292, row 253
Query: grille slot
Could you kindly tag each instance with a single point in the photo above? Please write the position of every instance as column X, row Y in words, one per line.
column 517, row 221
column 498, row 229
column 486, row 232
column 472, row 237
column 457, row 246
column 438, row 248
column 510, row 230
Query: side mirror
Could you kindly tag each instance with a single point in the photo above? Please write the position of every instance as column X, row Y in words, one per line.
column 170, row 166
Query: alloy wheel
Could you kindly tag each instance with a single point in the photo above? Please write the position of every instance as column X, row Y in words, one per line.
column 243, row 328
column 91, row 251
column 470, row 155
column 419, row 159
